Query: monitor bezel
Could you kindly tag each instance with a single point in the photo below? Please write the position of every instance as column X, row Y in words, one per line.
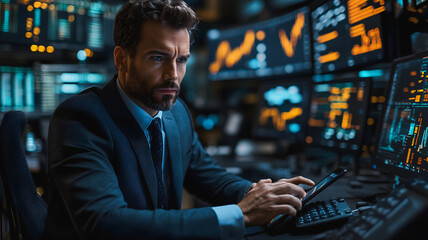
column 278, row 80
column 368, row 81
column 377, row 163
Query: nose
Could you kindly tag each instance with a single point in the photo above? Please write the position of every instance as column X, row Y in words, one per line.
column 170, row 72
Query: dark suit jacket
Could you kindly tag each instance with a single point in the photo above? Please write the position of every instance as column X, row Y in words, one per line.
column 102, row 179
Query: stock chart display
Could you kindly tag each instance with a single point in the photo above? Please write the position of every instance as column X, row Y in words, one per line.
column 47, row 25
column 347, row 33
column 404, row 136
column 282, row 110
column 275, row 47
column 337, row 114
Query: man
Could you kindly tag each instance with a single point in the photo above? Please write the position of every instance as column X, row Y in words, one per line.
column 120, row 156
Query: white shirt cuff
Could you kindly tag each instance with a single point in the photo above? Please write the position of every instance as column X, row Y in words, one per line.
column 231, row 221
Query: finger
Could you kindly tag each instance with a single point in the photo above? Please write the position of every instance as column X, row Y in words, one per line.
column 287, row 188
column 285, row 209
column 298, row 180
column 253, row 185
column 264, row 181
column 288, row 199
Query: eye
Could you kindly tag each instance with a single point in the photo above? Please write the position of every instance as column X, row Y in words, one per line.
column 182, row 60
column 156, row 58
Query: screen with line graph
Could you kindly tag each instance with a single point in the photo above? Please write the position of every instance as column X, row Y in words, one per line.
column 337, row 114
column 347, row 33
column 402, row 146
column 279, row 46
column 283, row 109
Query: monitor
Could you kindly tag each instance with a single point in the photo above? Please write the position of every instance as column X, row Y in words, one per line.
column 402, row 147
column 282, row 110
column 337, row 114
column 420, row 3
column 48, row 26
column 279, row 46
column 16, row 88
column 347, row 34
column 57, row 82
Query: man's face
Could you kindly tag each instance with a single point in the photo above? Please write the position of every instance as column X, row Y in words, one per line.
column 154, row 74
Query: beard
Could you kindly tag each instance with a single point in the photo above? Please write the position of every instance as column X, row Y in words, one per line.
column 138, row 90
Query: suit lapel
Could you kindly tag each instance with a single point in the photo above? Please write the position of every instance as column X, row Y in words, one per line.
column 129, row 126
column 174, row 149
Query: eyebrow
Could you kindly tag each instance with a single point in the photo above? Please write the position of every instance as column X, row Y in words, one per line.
column 157, row 52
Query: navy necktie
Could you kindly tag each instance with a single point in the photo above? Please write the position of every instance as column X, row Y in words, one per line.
column 156, row 146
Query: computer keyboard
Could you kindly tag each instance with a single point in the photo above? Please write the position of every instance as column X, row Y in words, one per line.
column 321, row 214
column 391, row 218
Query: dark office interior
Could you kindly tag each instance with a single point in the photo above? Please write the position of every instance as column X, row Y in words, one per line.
column 276, row 88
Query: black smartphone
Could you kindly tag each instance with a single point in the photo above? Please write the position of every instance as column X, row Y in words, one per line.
column 312, row 192
column 323, row 184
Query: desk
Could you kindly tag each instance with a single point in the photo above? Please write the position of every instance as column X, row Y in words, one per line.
column 341, row 188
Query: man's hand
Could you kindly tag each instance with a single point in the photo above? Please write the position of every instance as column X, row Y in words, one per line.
column 266, row 199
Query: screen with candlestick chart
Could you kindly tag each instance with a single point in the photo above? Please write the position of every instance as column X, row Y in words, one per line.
column 279, row 46
column 337, row 114
column 347, row 33
column 404, row 136
column 283, row 109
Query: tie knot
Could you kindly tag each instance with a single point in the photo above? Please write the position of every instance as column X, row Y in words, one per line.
column 155, row 131
column 155, row 125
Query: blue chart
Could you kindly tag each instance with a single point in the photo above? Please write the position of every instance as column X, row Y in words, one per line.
column 404, row 136
column 423, row 144
column 408, row 136
column 278, row 99
column 282, row 110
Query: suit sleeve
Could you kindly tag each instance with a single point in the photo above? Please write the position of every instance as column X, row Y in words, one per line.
column 207, row 180
column 80, row 152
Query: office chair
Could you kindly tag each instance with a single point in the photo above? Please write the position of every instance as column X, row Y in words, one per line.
column 26, row 207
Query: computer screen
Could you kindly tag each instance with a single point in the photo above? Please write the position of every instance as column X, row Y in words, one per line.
column 402, row 147
column 282, row 110
column 420, row 3
column 67, row 24
column 16, row 89
column 347, row 34
column 337, row 114
column 48, row 26
column 279, row 46
column 57, row 82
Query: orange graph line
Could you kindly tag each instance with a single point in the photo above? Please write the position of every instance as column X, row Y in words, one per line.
column 358, row 12
column 333, row 113
column 408, row 155
column 228, row 56
column 279, row 119
column 289, row 45
column 329, row 57
column 360, row 94
column 328, row 37
column 346, row 120
column 419, row 129
column 369, row 42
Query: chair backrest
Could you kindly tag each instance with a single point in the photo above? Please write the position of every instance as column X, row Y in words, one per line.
column 26, row 205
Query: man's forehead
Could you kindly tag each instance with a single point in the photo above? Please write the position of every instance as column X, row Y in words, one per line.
column 164, row 31
column 156, row 36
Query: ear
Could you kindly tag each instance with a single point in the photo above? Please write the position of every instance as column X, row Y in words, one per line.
column 120, row 59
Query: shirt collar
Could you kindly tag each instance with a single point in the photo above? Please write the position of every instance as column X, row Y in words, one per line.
column 143, row 118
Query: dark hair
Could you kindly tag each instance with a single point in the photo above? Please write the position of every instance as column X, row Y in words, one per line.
column 132, row 16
